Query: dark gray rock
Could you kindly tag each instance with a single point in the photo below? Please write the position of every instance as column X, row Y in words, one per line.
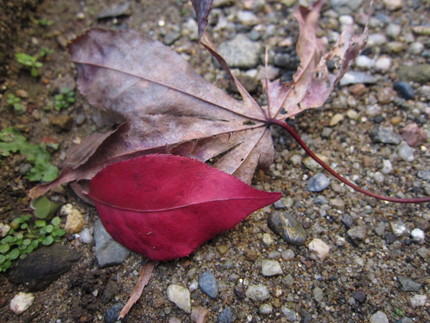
column 385, row 136
column 288, row 227
column 405, row 90
column 241, row 52
column 404, row 320
column 208, row 284
column 318, row 183
column 359, row 296
column 408, row 285
column 347, row 220
column 109, row 291
column 112, row 313
column 226, row 316
column 41, row 267
column 418, row 73
column 108, row 251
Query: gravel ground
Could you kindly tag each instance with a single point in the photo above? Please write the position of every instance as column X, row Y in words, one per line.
column 377, row 267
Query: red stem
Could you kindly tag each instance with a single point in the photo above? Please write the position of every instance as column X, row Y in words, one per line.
column 296, row 137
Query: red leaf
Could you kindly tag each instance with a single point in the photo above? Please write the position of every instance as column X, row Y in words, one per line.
column 165, row 206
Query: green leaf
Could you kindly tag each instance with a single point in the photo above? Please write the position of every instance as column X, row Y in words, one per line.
column 49, row 228
column 24, row 226
column 26, row 242
column 58, row 233
column 39, row 223
column 44, row 208
column 2, row 259
column 14, row 254
column 56, row 221
column 4, row 248
column 48, row 241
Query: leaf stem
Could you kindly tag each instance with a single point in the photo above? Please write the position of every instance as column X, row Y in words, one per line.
column 297, row 138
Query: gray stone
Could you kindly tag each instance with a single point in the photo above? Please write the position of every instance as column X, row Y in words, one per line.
column 112, row 313
column 290, row 315
column 265, row 309
column 318, row 294
column 408, row 285
column 288, row 227
column 318, row 183
column 171, row 37
column 226, row 316
column 424, row 174
column 353, row 77
column 418, row 73
column 345, row 6
column 385, row 136
column 359, row 296
column 41, row 267
column 358, row 233
column 180, row 296
column 404, row 320
column 405, row 90
column 208, row 284
column 379, row 317
column 257, row 292
column 405, row 152
column 108, row 251
column 271, row 268
column 241, row 52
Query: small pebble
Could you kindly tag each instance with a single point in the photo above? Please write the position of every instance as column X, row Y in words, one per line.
column 418, row 300
column 405, row 90
column 418, row 235
column 75, row 220
column 375, row 40
column 393, row 30
column 396, row 120
column 267, row 239
column 287, row 227
column 319, row 249
column 338, row 117
column 393, row 4
column 424, row 174
column 357, row 89
column 387, row 167
column 208, row 284
column 318, row 183
column 408, row 285
column 112, row 313
column 359, row 296
column 21, row 302
column 399, row 228
column 395, row 47
column 383, row 63
column 4, row 229
column 226, row 316
column 288, row 254
column 385, row 136
column 248, row 18
column 416, row 48
column 354, row 77
column 413, row 135
column 180, row 296
column 311, row 164
column 265, row 309
column 271, row 268
column 385, row 95
column 364, row 62
column 318, row 294
column 405, row 152
column 86, row 236
column 379, row 317
column 358, row 232
column 257, row 292
column 289, row 314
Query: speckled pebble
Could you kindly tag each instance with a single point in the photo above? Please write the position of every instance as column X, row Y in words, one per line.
column 418, row 235
column 424, row 174
column 408, row 285
column 74, row 221
column 257, row 292
column 287, row 227
column 288, row 254
column 399, row 228
column 387, row 167
column 226, row 316
column 416, row 48
column 318, row 183
column 290, row 315
column 319, row 249
column 405, row 90
column 180, row 296
column 358, row 232
column 271, row 268
column 112, row 313
column 405, row 152
column 265, row 309
column 379, row 317
column 21, row 302
column 418, row 300
column 385, row 136
column 240, row 52
column 208, row 284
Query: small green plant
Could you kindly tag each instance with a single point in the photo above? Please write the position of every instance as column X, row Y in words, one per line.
column 12, row 141
column 64, row 99
column 15, row 103
column 398, row 313
column 43, row 22
column 30, row 62
column 26, row 233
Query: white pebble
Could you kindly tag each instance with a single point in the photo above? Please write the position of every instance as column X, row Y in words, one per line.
column 319, row 249
column 364, row 62
column 405, row 152
column 399, row 228
column 265, row 309
column 376, row 40
column 378, row 177
column 393, row 30
column 416, row 48
column 271, row 268
column 383, row 63
column 418, row 235
column 393, row 4
column 86, row 236
column 418, row 300
column 387, row 167
column 180, row 296
column 21, row 302
column 346, row 20
column 4, row 229
column 267, row 239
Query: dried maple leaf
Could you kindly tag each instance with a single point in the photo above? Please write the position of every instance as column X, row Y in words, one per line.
column 169, row 108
